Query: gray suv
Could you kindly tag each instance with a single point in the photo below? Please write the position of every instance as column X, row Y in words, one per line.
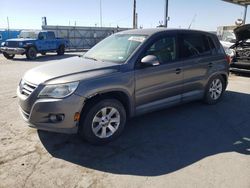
column 127, row 74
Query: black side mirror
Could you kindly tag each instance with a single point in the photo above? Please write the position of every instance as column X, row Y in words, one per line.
column 150, row 61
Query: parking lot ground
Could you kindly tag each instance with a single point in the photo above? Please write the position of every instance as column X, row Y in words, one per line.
column 192, row 145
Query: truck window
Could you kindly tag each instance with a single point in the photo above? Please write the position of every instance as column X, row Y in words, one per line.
column 42, row 36
column 164, row 49
column 194, row 45
column 51, row 35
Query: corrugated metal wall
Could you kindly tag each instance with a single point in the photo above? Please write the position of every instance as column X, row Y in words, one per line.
column 82, row 37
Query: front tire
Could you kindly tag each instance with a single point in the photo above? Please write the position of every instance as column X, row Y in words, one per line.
column 103, row 122
column 31, row 53
column 214, row 90
column 8, row 56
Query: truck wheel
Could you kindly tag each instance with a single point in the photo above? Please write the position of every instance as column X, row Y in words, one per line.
column 60, row 50
column 103, row 122
column 8, row 56
column 31, row 53
column 43, row 53
column 214, row 90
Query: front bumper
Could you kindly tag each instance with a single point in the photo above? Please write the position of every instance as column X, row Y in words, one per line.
column 13, row 51
column 240, row 66
column 40, row 111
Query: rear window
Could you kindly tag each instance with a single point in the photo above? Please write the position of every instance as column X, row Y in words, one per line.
column 194, row 45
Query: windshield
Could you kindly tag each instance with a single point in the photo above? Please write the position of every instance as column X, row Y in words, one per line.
column 29, row 34
column 116, row 48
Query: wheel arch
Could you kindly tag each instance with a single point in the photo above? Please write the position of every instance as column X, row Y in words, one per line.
column 119, row 95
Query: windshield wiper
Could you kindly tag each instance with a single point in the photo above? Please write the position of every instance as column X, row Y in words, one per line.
column 92, row 58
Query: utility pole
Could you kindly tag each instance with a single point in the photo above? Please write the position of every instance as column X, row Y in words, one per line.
column 166, row 14
column 134, row 15
column 8, row 25
column 245, row 14
column 101, row 13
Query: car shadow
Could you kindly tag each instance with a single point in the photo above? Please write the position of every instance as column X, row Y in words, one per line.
column 164, row 141
column 47, row 57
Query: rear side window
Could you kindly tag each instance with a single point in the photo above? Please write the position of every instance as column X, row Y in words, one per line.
column 194, row 45
column 51, row 35
column 212, row 45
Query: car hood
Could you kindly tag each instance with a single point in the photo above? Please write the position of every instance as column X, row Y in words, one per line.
column 70, row 70
column 21, row 39
column 242, row 32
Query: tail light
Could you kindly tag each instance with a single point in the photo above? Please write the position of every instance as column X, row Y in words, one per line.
column 228, row 59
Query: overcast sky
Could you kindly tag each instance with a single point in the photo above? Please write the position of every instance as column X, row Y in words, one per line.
column 209, row 13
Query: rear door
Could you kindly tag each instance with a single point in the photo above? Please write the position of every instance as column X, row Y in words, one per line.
column 197, row 60
column 51, row 40
column 160, row 85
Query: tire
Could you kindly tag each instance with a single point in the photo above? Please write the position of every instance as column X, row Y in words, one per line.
column 8, row 56
column 31, row 53
column 98, row 128
column 214, row 90
column 60, row 50
column 43, row 53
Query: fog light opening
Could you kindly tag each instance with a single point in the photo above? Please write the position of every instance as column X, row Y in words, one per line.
column 56, row 118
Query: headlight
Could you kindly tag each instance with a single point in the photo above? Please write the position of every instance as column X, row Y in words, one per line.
column 58, row 91
column 3, row 43
column 230, row 52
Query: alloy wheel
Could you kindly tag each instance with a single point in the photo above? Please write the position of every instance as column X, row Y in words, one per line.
column 106, row 122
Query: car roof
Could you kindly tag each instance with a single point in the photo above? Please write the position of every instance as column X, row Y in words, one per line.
column 153, row 31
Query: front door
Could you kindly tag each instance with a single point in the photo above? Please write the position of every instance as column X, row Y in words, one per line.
column 161, row 85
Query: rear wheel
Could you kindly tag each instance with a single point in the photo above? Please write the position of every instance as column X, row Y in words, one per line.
column 31, row 53
column 103, row 122
column 215, row 89
column 60, row 50
column 8, row 56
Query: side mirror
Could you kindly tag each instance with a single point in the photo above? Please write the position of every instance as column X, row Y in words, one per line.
column 150, row 61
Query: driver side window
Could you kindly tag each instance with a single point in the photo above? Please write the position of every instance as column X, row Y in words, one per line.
column 164, row 49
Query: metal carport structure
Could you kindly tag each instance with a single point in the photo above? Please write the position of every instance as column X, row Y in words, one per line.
column 243, row 3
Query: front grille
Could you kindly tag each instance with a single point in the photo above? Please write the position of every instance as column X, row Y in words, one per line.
column 26, row 88
column 13, row 44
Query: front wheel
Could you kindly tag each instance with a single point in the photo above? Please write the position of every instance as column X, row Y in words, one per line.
column 103, row 122
column 214, row 90
column 31, row 53
column 8, row 56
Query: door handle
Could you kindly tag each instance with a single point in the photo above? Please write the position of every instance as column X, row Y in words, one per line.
column 178, row 71
column 210, row 64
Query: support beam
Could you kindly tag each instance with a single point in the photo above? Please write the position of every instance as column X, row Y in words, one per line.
column 245, row 14
column 166, row 14
column 134, row 15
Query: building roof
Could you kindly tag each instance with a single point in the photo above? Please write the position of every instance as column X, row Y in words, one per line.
column 238, row 2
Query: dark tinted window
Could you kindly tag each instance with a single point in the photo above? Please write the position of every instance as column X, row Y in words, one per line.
column 51, row 35
column 212, row 45
column 193, row 45
column 42, row 36
column 164, row 49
